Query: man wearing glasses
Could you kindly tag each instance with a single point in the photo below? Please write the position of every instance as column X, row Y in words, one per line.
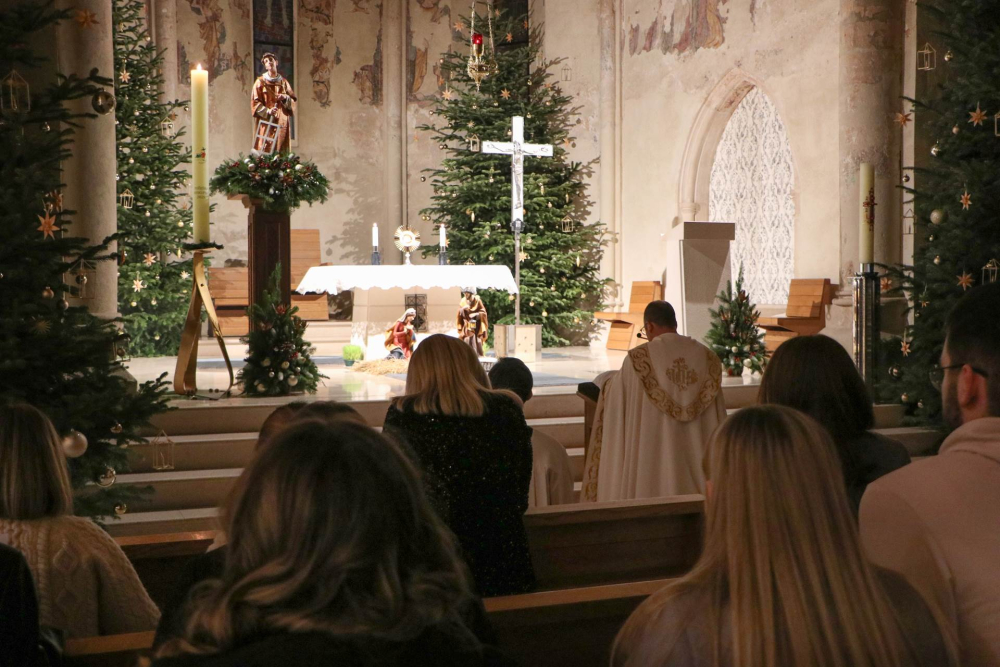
column 937, row 521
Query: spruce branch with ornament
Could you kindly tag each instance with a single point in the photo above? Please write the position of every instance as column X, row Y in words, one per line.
column 561, row 247
column 280, row 181
column 734, row 335
column 278, row 361
column 154, row 219
column 54, row 354
column 955, row 195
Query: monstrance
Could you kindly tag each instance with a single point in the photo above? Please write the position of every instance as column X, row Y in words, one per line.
column 406, row 240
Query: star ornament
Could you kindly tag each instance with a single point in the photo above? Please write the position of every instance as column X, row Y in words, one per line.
column 41, row 326
column 124, row 77
column 138, row 285
column 965, row 280
column 447, row 94
column 185, row 275
column 458, row 26
column 505, row 94
column 903, row 119
column 509, row 37
column 48, row 227
column 978, row 116
column 966, row 200
column 905, row 347
column 149, row 259
column 85, row 18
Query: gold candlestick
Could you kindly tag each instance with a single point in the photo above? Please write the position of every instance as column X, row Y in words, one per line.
column 187, row 356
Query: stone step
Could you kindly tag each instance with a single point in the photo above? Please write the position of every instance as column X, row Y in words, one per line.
column 181, row 489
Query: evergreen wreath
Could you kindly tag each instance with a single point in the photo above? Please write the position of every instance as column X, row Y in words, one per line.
column 281, row 181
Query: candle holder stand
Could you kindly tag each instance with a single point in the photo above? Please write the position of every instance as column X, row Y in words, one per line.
column 185, row 373
column 443, row 256
column 376, row 257
column 867, row 322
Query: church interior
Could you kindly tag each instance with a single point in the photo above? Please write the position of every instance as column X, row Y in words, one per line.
column 499, row 332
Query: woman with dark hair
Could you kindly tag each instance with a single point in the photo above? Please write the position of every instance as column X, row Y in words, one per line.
column 475, row 449
column 815, row 374
column 335, row 557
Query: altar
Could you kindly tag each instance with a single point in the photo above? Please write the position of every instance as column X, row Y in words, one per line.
column 382, row 293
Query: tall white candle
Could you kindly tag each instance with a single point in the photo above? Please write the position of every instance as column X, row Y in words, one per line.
column 866, row 231
column 199, row 146
column 375, row 235
column 444, row 238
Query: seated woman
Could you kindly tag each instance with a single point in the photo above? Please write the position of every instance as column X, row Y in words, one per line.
column 782, row 580
column 815, row 374
column 86, row 585
column 475, row 450
column 335, row 557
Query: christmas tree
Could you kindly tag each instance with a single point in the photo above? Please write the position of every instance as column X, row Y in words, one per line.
column 278, row 361
column 55, row 356
column 734, row 335
column 560, row 282
column 956, row 198
column 154, row 278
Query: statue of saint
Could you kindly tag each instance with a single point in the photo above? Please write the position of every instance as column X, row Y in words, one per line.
column 401, row 338
column 272, row 102
column 472, row 322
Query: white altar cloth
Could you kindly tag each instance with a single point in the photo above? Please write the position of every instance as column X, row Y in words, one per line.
column 336, row 279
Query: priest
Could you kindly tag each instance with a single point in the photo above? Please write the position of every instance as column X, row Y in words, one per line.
column 654, row 417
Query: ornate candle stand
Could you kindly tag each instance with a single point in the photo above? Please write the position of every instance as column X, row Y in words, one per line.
column 867, row 324
column 376, row 257
column 443, row 256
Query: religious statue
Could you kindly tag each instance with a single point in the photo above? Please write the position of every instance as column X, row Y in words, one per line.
column 400, row 338
column 472, row 322
column 272, row 104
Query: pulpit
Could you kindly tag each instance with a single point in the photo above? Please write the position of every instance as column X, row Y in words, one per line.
column 698, row 267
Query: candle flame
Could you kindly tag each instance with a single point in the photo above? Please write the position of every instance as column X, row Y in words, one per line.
column 199, row 67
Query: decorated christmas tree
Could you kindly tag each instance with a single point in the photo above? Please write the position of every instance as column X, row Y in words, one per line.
column 734, row 335
column 560, row 268
column 278, row 361
column 154, row 278
column 956, row 198
column 53, row 355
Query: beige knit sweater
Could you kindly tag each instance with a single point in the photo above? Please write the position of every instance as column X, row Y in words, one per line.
column 85, row 583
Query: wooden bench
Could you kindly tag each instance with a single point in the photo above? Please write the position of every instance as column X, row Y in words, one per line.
column 625, row 325
column 160, row 559
column 603, row 543
column 108, row 651
column 805, row 313
column 231, row 286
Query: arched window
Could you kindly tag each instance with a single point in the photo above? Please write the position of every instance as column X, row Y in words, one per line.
column 751, row 184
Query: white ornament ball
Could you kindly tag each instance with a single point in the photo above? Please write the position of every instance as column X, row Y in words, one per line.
column 292, row 380
column 747, row 363
column 298, row 167
column 281, row 376
column 266, row 362
column 735, row 349
column 74, row 444
column 260, row 386
column 284, row 364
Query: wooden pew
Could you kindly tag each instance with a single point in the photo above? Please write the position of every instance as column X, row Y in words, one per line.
column 603, row 543
column 160, row 559
column 625, row 325
column 108, row 651
column 573, row 627
column 305, row 249
column 804, row 315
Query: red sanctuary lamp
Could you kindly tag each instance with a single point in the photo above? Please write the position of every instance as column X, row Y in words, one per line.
column 479, row 67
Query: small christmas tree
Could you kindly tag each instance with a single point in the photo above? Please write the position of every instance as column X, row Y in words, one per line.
column 278, row 361
column 734, row 335
column 154, row 278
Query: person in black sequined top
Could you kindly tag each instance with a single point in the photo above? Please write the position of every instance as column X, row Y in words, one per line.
column 474, row 447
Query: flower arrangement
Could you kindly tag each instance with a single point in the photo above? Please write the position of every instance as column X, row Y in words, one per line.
column 281, row 181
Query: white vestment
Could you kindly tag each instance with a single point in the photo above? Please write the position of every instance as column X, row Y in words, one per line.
column 653, row 420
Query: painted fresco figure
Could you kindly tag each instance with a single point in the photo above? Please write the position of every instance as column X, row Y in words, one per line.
column 272, row 100
column 472, row 322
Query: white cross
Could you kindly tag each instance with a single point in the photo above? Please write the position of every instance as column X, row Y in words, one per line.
column 517, row 149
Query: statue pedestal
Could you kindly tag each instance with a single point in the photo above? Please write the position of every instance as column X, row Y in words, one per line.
column 269, row 243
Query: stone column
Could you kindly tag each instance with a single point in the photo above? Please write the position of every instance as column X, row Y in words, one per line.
column 871, row 61
column 393, row 96
column 90, row 173
column 165, row 38
column 609, row 186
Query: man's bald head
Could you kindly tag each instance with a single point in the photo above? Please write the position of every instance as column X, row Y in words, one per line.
column 659, row 318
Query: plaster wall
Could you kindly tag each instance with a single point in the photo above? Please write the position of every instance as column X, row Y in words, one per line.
column 673, row 56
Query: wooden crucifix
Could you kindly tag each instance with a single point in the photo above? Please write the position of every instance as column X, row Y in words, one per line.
column 517, row 149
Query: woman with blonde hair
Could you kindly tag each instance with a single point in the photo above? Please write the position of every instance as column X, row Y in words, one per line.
column 86, row 585
column 782, row 581
column 475, row 450
column 335, row 557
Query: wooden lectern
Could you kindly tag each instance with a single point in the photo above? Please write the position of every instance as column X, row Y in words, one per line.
column 625, row 325
column 269, row 243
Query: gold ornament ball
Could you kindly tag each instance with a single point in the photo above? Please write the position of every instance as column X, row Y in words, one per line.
column 905, row 398
column 949, row 56
column 74, row 444
column 931, row 237
column 48, row 293
column 936, row 150
column 956, row 129
column 103, row 102
column 937, row 259
column 62, row 304
column 895, row 371
column 153, row 302
column 117, row 428
column 107, row 478
column 938, row 216
column 906, row 178
column 120, row 509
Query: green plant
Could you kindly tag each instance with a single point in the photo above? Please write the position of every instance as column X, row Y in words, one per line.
column 278, row 360
column 281, row 182
column 734, row 335
column 353, row 353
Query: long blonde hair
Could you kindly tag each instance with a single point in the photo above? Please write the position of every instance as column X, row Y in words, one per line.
column 34, row 478
column 329, row 530
column 445, row 377
column 782, row 555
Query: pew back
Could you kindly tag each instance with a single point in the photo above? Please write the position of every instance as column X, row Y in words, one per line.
column 159, row 560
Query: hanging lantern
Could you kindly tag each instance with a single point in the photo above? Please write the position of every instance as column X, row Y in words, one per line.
column 567, row 225
column 926, row 58
column 167, row 128
column 119, row 347
column 474, row 143
column 15, row 95
column 126, row 199
column 480, row 64
column 990, row 272
column 80, row 279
